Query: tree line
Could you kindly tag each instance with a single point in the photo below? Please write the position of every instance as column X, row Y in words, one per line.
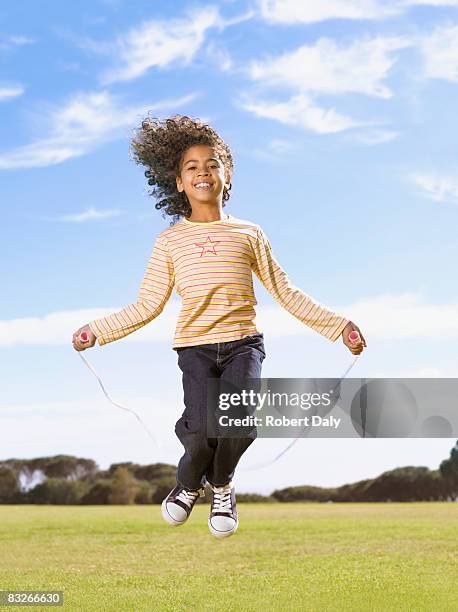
column 65, row 479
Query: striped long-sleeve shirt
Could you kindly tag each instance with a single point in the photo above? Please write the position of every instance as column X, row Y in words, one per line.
column 210, row 265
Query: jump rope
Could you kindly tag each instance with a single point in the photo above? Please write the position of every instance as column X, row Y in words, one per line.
column 353, row 336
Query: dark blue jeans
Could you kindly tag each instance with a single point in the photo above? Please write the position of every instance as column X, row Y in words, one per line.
column 212, row 459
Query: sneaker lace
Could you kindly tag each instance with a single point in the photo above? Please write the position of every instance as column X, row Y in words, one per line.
column 188, row 497
column 222, row 500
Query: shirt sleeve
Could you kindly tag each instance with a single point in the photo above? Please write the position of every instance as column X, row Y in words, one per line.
column 302, row 306
column 155, row 290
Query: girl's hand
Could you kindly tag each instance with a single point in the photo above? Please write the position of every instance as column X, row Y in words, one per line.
column 355, row 348
column 78, row 345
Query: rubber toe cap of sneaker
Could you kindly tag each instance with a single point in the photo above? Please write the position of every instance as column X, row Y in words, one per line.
column 222, row 526
column 173, row 513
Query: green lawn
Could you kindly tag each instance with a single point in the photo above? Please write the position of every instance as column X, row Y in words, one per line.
column 396, row 557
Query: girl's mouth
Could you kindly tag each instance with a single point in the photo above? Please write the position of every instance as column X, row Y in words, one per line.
column 203, row 185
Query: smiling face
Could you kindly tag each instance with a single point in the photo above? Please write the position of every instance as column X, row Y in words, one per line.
column 202, row 175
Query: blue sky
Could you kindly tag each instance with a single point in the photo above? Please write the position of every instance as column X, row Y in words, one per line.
column 340, row 117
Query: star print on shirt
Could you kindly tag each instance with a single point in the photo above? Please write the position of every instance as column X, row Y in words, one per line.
column 208, row 246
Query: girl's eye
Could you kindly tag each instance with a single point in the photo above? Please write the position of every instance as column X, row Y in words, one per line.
column 193, row 167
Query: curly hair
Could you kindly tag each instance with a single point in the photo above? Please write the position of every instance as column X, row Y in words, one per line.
column 160, row 145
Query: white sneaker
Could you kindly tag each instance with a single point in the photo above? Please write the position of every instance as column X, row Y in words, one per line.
column 223, row 520
column 178, row 504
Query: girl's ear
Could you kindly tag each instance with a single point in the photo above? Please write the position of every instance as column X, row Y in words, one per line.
column 179, row 183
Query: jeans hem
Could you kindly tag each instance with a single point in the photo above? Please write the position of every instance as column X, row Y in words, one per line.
column 219, row 485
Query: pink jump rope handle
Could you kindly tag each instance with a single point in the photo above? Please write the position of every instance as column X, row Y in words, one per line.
column 83, row 337
column 353, row 336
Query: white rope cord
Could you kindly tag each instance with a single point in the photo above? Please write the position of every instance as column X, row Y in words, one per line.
column 258, row 466
column 254, row 467
column 119, row 405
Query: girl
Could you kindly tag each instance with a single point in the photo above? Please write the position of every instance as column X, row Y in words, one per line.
column 209, row 257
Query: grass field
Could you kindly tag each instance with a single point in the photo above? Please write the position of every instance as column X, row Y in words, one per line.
column 397, row 557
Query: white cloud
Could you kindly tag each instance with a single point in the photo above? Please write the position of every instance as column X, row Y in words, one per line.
column 20, row 40
column 8, row 42
column 324, row 68
column 86, row 121
column 63, row 424
column 440, row 53
column 13, row 91
column 426, row 372
column 314, row 11
column 302, row 112
column 398, row 317
column 90, row 215
column 329, row 68
column 374, row 137
column 384, row 317
column 57, row 328
column 437, row 187
column 219, row 56
column 161, row 43
column 276, row 150
column 68, row 66
column 230, row 21
column 279, row 146
column 431, row 2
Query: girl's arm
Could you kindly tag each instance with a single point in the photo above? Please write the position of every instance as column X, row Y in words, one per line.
column 155, row 290
column 302, row 306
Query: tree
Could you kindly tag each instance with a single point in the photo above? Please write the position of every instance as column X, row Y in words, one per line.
column 155, row 471
column 145, row 472
column 146, row 492
column 124, row 487
column 57, row 491
column 255, row 498
column 409, row 483
column 99, row 493
column 67, row 466
column 449, row 470
column 163, row 488
column 59, row 466
column 9, row 487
